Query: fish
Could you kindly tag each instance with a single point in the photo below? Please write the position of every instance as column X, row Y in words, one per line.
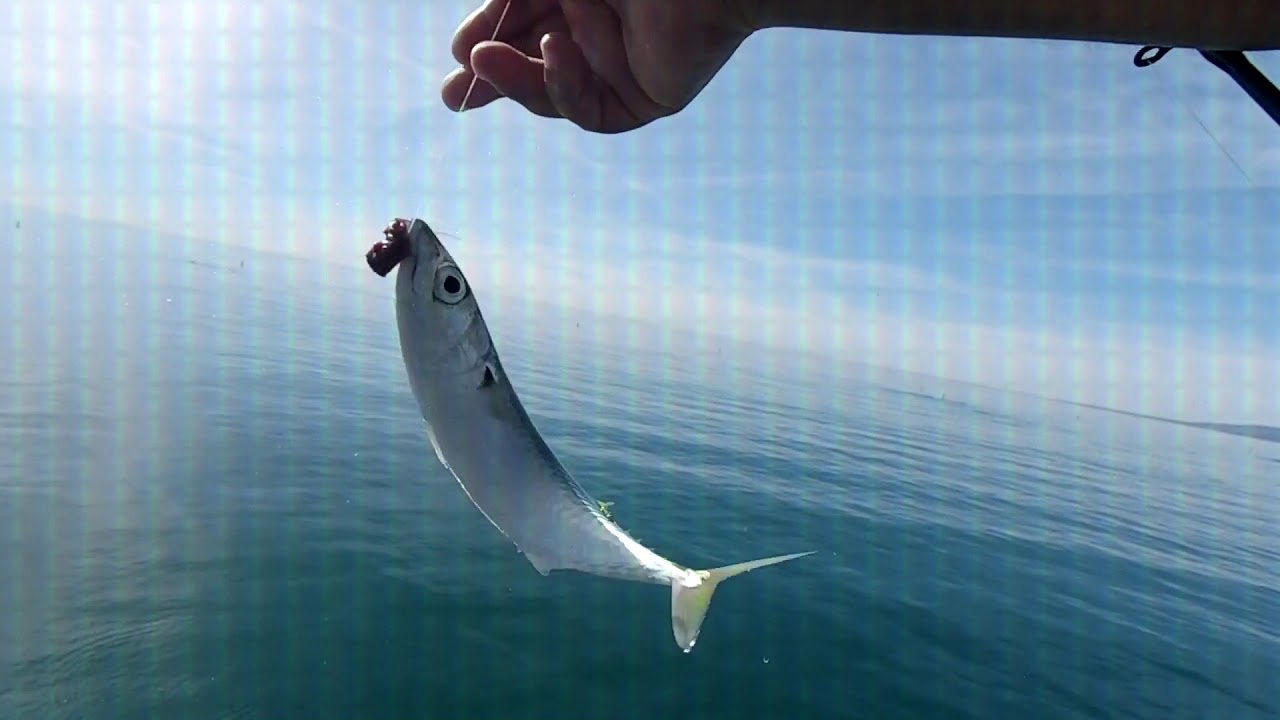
column 483, row 436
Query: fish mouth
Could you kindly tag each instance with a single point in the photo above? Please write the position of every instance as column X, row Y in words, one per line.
column 384, row 256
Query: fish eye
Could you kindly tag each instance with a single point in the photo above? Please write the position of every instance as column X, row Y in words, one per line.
column 450, row 287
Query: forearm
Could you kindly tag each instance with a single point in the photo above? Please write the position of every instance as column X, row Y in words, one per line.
column 1203, row 24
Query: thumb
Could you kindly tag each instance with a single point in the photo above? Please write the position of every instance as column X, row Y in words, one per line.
column 569, row 82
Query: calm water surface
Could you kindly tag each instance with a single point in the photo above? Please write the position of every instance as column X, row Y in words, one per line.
column 217, row 501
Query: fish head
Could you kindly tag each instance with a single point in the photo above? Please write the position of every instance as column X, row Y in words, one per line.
column 440, row 323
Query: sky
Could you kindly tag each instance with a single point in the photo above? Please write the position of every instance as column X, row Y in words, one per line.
column 1041, row 216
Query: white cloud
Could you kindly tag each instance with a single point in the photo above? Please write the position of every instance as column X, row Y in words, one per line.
column 1253, row 279
column 187, row 62
column 1253, row 266
column 650, row 288
column 754, row 297
column 200, row 115
column 132, row 59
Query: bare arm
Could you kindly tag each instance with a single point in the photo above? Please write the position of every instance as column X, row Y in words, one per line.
column 1201, row 24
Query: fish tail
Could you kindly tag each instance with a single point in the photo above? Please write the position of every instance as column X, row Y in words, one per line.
column 689, row 603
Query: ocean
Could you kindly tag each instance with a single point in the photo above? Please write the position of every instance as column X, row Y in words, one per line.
column 217, row 501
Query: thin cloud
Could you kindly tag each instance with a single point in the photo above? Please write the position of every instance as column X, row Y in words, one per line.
column 704, row 289
column 689, row 298
column 299, row 129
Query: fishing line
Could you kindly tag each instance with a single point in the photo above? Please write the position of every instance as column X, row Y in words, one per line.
column 1234, row 63
column 1195, row 116
column 474, row 77
column 1177, row 99
column 472, row 86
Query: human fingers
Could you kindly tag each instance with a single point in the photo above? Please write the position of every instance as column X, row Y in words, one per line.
column 582, row 97
column 479, row 26
column 569, row 82
column 598, row 35
column 455, row 87
column 515, row 75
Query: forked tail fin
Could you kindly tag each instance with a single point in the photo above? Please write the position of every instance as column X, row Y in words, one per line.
column 689, row 604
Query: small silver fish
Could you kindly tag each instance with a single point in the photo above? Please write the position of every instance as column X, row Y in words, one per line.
column 483, row 436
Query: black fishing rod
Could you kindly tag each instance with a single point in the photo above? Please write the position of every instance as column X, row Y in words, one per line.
column 1236, row 66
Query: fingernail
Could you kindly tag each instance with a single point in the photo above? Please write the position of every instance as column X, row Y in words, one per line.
column 547, row 53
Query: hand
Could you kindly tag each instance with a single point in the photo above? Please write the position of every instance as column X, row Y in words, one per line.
column 608, row 66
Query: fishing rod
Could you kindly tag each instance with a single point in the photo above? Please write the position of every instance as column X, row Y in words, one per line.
column 1236, row 66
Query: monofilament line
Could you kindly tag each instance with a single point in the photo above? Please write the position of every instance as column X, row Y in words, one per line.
column 474, row 77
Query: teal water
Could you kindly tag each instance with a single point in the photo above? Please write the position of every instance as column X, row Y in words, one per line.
column 217, row 501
